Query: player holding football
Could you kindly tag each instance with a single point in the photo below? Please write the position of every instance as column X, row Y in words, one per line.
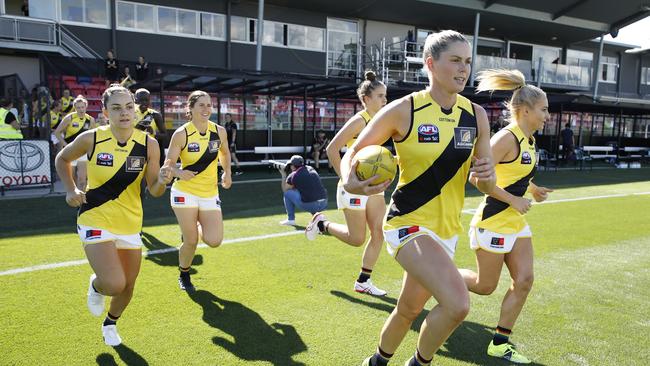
column 359, row 210
column 499, row 232
column 438, row 134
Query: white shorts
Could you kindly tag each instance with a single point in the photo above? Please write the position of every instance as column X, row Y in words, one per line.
column 494, row 242
column 54, row 139
column 397, row 238
column 179, row 199
column 345, row 200
column 92, row 235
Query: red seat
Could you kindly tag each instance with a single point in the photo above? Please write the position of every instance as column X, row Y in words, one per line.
column 68, row 78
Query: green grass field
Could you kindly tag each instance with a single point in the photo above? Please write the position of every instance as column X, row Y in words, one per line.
column 285, row 301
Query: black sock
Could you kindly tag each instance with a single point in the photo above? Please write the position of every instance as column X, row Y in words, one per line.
column 501, row 335
column 94, row 289
column 185, row 272
column 364, row 275
column 380, row 358
column 419, row 360
column 110, row 319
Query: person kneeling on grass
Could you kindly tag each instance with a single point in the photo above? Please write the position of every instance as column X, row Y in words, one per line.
column 302, row 188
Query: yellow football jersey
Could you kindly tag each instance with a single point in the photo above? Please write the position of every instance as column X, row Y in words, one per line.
column 200, row 155
column 366, row 118
column 434, row 160
column 145, row 121
column 115, row 172
column 514, row 177
column 76, row 126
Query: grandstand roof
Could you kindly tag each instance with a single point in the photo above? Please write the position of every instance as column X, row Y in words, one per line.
column 552, row 22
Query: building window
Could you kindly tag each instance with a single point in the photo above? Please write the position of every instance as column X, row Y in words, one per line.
column 609, row 69
column 342, row 40
column 134, row 16
column 645, row 76
column 177, row 21
column 243, row 29
column 274, row 34
column 305, row 37
column 213, row 25
column 89, row 12
column 579, row 58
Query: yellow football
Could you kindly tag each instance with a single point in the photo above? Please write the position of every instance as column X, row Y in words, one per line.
column 376, row 160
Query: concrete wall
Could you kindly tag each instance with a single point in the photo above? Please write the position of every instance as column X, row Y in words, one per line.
column 26, row 67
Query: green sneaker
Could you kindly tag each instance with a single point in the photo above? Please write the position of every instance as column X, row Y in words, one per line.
column 506, row 351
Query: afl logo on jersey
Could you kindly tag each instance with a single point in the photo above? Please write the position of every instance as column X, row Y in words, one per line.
column 104, row 159
column 526, row 158
column 193, row 147
column 428, row 133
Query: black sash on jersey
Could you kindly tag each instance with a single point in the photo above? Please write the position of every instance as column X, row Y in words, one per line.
column 493, row 206
column 207, row 158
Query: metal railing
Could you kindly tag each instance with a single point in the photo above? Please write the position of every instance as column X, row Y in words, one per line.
column 44, row 32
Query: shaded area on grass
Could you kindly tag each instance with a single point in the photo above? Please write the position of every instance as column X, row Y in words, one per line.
column 254, row 338
column 127, row 355
column 168, row 259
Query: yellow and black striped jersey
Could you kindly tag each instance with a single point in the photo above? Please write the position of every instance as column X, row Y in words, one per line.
column 115, row 172
column 201, row 155
column 76, row 126
column 366, row 118
column 55, row 119
column 434, row 160
column 513, row 176
column 66, row 104
column 144, row 121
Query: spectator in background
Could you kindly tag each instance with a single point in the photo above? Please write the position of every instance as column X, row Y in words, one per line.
column 150, row 120
column 126, row 79
column 302, row 188
column 66, row 102
column 567, row 142
column 9, row 125
column 24, row 9
column 231, row 130
column 319, row 148
column 141, row 70
column 111, row 68
column 410, row 43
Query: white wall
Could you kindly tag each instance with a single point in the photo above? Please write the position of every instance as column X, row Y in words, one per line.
column 26, row 67
column 375, row 31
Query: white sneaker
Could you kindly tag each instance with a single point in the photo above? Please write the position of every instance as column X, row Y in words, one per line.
column 312, row 229
column 95, row 299
column 368, row 288
column 111, row 338
column 288, row 222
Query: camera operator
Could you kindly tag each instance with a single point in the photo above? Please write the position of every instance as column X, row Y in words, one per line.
column 302, row 188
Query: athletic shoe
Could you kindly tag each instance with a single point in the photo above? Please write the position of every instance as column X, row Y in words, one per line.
column 368, row 288
column 95, row 299
column 111, row 338
column 506, row 351
column 239, row 172
column 288, row 222
column 366, row 362
column 185, row 284
column 312, row 229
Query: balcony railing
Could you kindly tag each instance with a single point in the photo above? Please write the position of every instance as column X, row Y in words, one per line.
column 28, row 30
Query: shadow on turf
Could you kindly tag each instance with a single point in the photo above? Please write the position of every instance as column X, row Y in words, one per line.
column 467, row 343
column 128, row 356
column 169, row 259
column 254, row 339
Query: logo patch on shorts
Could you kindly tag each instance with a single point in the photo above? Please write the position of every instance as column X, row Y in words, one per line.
column 135, row 163
column 104, row 159
column 355, row 201
column 193, row 147
column 526, row 158
column 497, row 242
column 213, row 146
column 218, row 202
column 464, row 137
column 481, row 230
column 402, row 233
column 179, row 200
column 93, row 234
column 428, row 133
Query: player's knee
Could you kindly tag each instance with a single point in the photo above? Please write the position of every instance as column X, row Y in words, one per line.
column 408, row 312
column 212, row 242
column 190, row 241
column 458, row 310
column 484, row 288
column 524, row 282
column 357, row 239
column 113, row 286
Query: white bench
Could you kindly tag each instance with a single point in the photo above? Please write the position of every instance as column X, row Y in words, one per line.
column 603, row 152
column 281, row 149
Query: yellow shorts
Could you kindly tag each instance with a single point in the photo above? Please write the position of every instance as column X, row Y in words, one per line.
column 490, row 241
column 93, row 235
column 397, row 238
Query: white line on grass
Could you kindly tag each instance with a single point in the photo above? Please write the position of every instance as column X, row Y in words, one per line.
column 268, row 236
column 145, row 254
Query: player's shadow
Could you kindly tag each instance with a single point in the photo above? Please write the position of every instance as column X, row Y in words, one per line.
column 467, row 343
column 165, row 255
column 128, row 356
column 254, row 339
